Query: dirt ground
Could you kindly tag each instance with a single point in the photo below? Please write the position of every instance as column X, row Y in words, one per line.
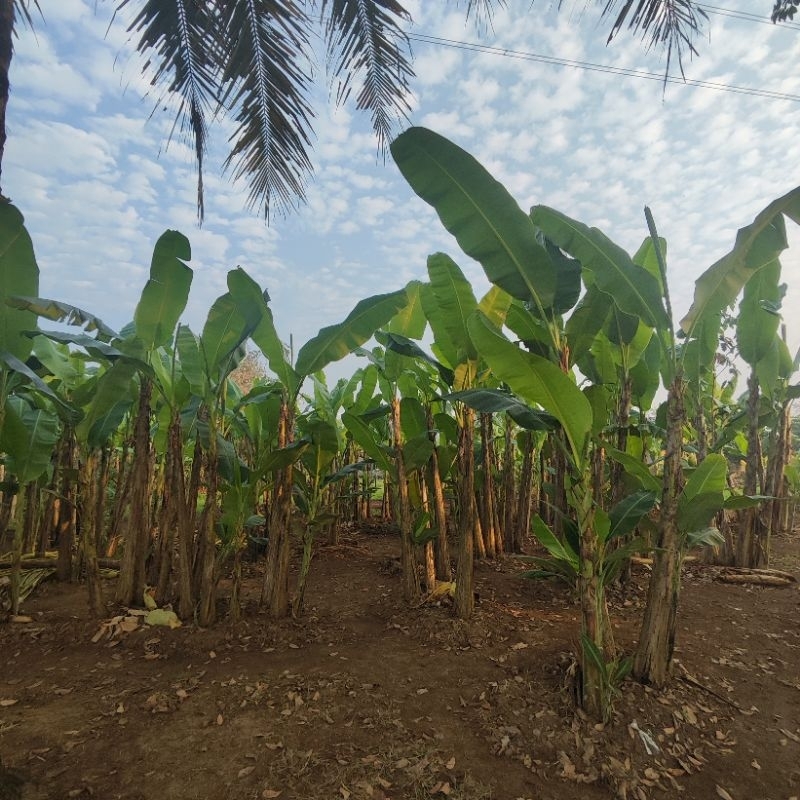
column 366, row 698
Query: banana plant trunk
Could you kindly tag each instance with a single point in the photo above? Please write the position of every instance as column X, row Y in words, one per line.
column 182, row 517
column 275, row 589
column 436, row 490
column 131, row 584
column 66, row 515
column 464, row 601
column 509, row 507
column 524, row 494
column 595, row 626
column 489, row 499
column 750, row 536
column 18, row 522
column 775, row 488
column 93, row 494
column 408, row 561
column 657, row 637
column 207, row 590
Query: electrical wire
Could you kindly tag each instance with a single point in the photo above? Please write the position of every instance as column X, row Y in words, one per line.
column 745, row 16
column 607, row 68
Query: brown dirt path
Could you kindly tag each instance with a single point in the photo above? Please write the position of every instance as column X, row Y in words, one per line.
column 366, row 698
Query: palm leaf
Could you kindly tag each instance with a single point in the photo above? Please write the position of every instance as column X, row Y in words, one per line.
column 181, row 40
column 670, row 24
column 266, row 84
column 367, row 44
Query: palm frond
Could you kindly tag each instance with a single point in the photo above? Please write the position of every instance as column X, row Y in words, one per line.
column 784, row 10
column 266, row 84
column 23, row 8
column 368, row 46
column 181, row 41
column 670, row 24
column 482, row 11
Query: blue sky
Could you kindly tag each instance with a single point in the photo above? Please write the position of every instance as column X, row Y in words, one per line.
column 87, row 163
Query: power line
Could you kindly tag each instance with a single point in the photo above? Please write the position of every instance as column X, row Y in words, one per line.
column 607, row 68
column 745, row 16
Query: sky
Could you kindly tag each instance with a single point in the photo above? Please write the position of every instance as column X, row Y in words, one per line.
column 87, row 160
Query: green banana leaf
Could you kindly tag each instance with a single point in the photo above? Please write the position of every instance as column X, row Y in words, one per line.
column 455, row 300
column 368, row 441
column 703, row 495
column 113, row 396
column 68, row 413
column 536, row 380
column 626, row 514
column 58, row 360
column 635, row 469
column 634, row 290
column 19, row 275
column 757, row 245
column 417, row 452
column 551, row 543
column 225, row 330
column 475, row 208
column 166, row 292
column 405, row 347
column 56, row 311
column 737, row 502
column 28, row 438
column 757, row 321
column 191, row 359
column 334, row 342
column 494, row 305
column 443, row 347
column 410, row 321
column 496, row 401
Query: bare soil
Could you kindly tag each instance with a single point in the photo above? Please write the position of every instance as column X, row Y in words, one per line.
column 364, row 697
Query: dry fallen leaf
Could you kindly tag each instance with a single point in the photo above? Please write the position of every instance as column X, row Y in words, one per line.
column 723, row 793
column 244, row 772
column 8, row 701
column 451, row 763
column 270, row 794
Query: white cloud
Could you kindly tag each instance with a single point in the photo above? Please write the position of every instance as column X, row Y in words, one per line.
column 91, row 172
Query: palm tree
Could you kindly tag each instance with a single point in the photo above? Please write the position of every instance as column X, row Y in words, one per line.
column 8, row 16
column 253, row 60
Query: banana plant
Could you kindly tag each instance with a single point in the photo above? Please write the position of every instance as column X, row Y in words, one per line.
column 524, row 255
column 32, row 414
column 131, row 352
column 311, row 490
column 331, row 344
column 765, row 352
column 410, row 450
column 757, row 246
